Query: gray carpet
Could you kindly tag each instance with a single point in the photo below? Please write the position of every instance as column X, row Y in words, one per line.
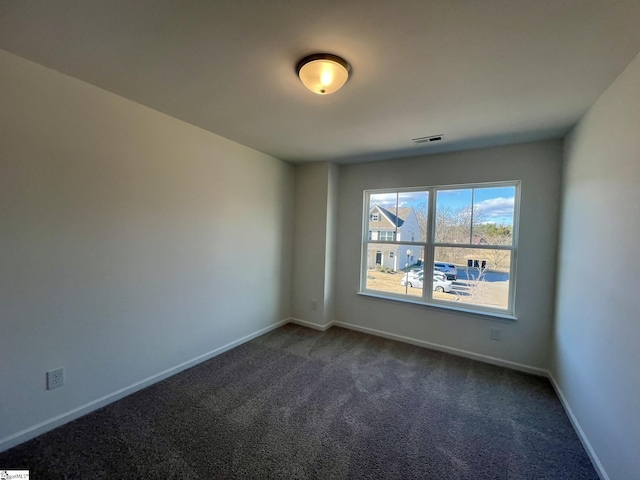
column 297, row 403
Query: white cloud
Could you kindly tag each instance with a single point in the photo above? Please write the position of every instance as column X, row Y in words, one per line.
column 497, row 208
column 404, row 199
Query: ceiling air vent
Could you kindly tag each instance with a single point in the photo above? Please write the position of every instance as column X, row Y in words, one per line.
column 432, row 138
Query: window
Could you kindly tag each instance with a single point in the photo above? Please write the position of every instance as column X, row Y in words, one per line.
column 375, row 217
column 387, row 236
column 464, row 237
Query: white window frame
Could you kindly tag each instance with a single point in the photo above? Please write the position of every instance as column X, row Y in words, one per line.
column 386, row 234
column 430, row 245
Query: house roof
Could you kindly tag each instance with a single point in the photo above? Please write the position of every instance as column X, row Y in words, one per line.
column 478, row 240
column 393, row 220
column 480, row 73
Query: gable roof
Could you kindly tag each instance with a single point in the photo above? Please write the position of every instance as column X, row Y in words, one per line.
column 479, row 240
column 395, row 220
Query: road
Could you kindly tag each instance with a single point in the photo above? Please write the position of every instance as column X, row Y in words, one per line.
column 489, row 276
column 493, row 291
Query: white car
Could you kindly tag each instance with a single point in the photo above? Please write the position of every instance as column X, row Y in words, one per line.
column 439, row 282
column 414, row 274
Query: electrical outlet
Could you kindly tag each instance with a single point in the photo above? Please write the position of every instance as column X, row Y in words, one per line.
column 496, row 334
column 55, row 378
column 314, row 304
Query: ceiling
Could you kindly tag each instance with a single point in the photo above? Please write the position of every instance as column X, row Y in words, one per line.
column 481, row 73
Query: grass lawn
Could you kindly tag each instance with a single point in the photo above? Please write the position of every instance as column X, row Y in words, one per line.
column 390, row 282
column 491, row 294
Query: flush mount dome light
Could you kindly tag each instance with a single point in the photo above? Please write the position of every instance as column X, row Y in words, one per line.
column 323, row 73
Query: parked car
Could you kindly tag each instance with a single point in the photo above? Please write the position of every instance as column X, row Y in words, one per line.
column 414, row 280
column 449, row 269
column 439, row 276
column 440, row 284
column 413, row 274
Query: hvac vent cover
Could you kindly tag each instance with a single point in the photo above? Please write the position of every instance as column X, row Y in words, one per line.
column 432, row 138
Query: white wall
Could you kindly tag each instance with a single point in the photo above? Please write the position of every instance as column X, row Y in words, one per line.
column 409, row 228
column 526, row 341
column 130, row 242
column 332, row 236
column 313, row 245
column 597, row 328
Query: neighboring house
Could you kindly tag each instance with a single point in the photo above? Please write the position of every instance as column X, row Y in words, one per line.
column 393, row 224
column 479, row 240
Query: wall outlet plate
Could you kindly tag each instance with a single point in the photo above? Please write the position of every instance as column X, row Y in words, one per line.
column 496, row 334
column 55, row 378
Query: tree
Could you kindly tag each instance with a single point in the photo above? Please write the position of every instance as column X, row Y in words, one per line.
column 496, row 235
column 454, row 225
column 422, row 215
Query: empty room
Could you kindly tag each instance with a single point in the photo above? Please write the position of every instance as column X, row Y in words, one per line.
column 217, row 219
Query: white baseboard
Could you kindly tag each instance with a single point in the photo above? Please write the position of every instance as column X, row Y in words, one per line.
column 442, row 348
column 578, row 429
column 315, row 326
column 51, row 423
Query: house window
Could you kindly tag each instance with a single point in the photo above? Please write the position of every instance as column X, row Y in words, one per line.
column 462, row 254
column 387, row 236
column 375, row 217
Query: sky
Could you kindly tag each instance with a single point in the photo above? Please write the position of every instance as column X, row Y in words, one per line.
column 495, row 203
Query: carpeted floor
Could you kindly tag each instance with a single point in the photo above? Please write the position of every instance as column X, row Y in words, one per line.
column 297, row 403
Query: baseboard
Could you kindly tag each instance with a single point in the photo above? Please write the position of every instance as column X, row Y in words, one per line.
column 315, row 326
column 578, row 429
column 51, row 423
column 443, row 348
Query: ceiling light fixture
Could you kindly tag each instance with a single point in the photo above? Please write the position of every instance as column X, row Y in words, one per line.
column 323, row 73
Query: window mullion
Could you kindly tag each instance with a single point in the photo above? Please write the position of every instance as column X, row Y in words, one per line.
column 473, row 200
column 395, row 227
column 512, row 275
column 429, row 253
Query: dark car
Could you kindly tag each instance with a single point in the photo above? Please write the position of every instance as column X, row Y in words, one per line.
column 449, row 270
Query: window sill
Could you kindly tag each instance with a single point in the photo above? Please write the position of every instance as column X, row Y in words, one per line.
column 504, row 317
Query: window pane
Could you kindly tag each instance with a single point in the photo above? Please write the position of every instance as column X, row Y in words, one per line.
column 481, row 275
column 413, row 209
column 383, row 216
column 475, row 222
column 453, row 216
column 387, row 236
column 493, row 211
column 391, row 269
